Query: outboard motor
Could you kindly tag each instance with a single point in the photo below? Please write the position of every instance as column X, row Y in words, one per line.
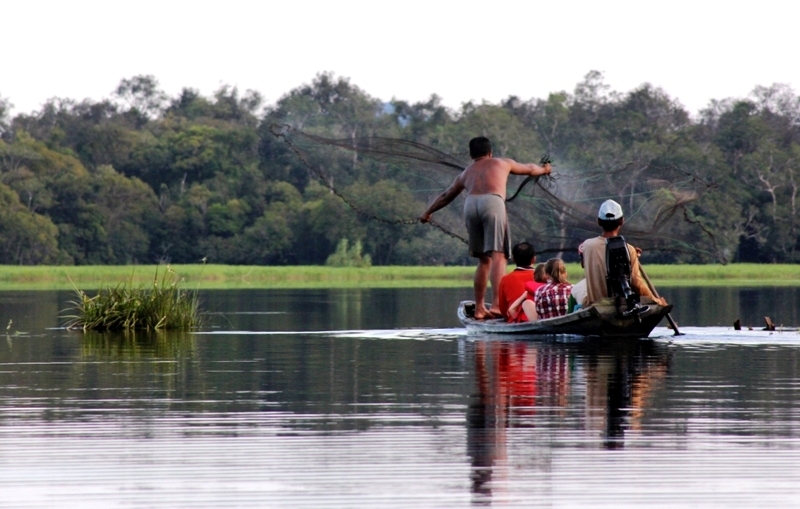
column 618, row 276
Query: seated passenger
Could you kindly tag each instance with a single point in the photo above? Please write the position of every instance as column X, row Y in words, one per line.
column 539, row 279
column 578, row 289
column 516, row 313
column 610, row 220
column 553, row 298
column 513, row 283
column 577, row 296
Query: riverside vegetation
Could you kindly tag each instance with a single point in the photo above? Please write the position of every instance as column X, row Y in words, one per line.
column 142, row 177
column 198, row 276
column 161, row 305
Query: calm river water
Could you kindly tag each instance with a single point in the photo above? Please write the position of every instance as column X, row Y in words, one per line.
column 378, row 399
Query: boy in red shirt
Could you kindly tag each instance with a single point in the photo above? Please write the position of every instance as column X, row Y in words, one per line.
column 512, row 285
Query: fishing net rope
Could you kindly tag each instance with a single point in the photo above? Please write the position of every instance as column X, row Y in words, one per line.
column 557, row 211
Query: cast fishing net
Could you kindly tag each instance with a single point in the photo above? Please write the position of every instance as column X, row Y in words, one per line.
column 556, row 212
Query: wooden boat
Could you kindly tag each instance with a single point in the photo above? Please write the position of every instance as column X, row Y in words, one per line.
column 601, row 319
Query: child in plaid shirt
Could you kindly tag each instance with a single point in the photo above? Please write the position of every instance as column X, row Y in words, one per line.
column 553, row 298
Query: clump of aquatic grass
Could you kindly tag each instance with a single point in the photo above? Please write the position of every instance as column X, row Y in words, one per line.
column 161, row 306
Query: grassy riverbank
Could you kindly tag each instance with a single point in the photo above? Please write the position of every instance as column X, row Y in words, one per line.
column 232, row 276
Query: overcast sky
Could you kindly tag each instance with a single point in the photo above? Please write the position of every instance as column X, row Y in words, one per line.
column 461, row 50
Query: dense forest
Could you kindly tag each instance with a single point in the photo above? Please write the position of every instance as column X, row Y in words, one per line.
column 142, row 177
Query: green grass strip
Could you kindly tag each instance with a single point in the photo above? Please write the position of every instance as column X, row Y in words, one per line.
column 236, row 276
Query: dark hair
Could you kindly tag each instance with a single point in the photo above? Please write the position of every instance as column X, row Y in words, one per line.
column 609, row 225
column 479, row 147
column 539, row 274
column 523, row 254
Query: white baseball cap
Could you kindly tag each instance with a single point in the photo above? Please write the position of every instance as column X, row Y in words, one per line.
column 610, row 210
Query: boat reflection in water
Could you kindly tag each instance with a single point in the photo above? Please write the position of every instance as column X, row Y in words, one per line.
column 582, row 394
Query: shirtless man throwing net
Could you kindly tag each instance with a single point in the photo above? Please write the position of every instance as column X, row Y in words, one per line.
column 485, row 215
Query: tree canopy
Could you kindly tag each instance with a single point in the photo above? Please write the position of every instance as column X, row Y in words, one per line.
column 143, row 177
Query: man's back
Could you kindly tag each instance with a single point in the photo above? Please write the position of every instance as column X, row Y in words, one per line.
column 487, row 175
column 594, row 264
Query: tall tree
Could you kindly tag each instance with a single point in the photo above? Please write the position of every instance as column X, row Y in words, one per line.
column 143, row 97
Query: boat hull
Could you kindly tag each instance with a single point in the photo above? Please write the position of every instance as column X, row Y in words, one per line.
column 601, row 319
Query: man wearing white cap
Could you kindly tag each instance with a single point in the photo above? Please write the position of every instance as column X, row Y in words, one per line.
column 610, row 219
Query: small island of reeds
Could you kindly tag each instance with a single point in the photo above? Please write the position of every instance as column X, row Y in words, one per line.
column 159, row 306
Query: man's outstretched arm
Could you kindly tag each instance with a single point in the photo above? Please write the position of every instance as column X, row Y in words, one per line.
column 530, row 169
column 442, row 200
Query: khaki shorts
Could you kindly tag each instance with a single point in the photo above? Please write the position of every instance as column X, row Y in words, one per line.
column 487, row 224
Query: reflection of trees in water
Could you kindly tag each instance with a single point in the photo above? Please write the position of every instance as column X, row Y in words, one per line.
column 540, row 385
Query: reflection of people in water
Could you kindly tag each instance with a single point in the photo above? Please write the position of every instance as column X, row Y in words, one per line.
column 513, row 378
column 617, row 387
column 485, row 424
column 611, row 382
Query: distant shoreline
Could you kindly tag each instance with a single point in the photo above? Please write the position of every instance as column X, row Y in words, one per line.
column 299, row 277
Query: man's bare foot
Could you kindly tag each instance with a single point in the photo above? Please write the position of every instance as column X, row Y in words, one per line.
column 487, row 314
column 495, row 312
column 481, row 313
